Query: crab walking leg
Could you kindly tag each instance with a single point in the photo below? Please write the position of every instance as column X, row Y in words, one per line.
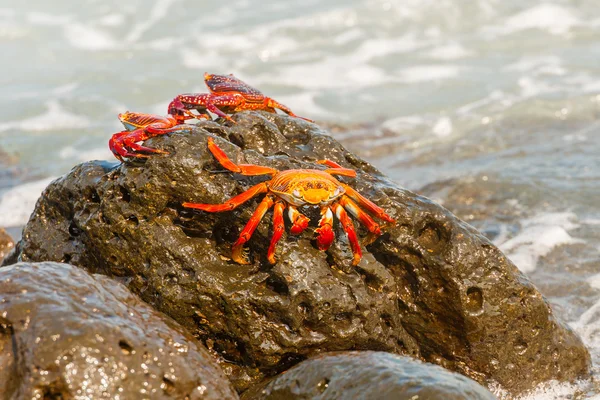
column 278, row 228
column 157, row 129
column 363, row 217
column 270, row 103
column 244, row 169
column 337, row 169
column 237, row 251
column 349, row 229
column 329, row 163
column 232, row 203
column 299, row 220
column 367, row 204
column 222, row 100
column 325, row 231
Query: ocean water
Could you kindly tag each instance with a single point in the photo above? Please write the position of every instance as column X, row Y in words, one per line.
column 490, row 107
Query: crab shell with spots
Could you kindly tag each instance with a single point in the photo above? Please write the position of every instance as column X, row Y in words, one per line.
column 295, row 188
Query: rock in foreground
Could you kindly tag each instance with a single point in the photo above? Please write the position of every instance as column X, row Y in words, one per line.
column 367, row 375
column 431, row 287
column 65, row 334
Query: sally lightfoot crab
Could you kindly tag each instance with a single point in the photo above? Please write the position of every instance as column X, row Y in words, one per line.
column 295, row 188
column 227, row 95
column 139, row 127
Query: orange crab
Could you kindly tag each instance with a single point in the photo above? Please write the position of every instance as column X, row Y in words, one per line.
column 139, row 127
column 227, row 95
column 296, row 188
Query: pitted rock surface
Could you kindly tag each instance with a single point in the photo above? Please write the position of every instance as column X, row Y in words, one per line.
column 6, row 244
column 66, row 334
column 431, row 286
column 369, row 375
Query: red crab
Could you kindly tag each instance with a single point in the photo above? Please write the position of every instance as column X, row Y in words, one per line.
column 139, row 127
column 295, row 188
column 227, row 95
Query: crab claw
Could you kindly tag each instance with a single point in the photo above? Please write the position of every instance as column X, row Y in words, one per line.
column 299, row 221
column 325, row 237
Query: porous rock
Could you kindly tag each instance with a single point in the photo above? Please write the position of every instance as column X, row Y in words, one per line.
column 65, row 334
column 370, row 375
column 6, row 243
column 431, row 286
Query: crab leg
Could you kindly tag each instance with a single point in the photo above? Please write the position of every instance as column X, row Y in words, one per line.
column 363, row 217
column 325, row 232
column 367, row 204
column 232, row 203
column 237, row 251
column 349, row 229
column 269, row 102
column 158, row 129
column 244, row 169
column 222, row 100
column 337, row 169
column 278, row 228
column 299, row 221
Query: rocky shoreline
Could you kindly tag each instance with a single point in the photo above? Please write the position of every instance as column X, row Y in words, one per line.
column 431, row 287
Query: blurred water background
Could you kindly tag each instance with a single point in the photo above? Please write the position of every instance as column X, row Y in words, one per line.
column 490, row 107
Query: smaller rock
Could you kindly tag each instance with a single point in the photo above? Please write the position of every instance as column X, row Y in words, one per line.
column 67, row 334
column 6, row 243
column 367, row 375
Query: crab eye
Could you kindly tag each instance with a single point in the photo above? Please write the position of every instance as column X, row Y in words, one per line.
column 296, row 193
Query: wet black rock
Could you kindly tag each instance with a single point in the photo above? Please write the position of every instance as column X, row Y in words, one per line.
column 66, row 334
column 431, row 287
column 367, row 375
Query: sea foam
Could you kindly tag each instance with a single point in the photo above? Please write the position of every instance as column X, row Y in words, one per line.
column 17, row 204
column 538, row 236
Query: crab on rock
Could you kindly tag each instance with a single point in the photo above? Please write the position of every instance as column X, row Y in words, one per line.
column 227, row 95
column 295, row 188
column 139, row 127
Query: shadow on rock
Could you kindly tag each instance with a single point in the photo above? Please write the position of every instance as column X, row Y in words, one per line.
column 431, row 286
column 66, row 334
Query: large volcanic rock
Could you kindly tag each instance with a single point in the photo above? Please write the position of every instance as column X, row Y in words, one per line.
column 372, row 375
column 66, row 334
column 431, row 286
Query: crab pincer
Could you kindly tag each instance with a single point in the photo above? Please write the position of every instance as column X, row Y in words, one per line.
column 140, row 127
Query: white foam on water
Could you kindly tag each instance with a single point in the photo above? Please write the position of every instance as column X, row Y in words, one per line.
column 78, row 155
column 400, row 124
column 158, row 12
column 443, row 127
column 352, row 69
column 201, row 60
column 112, row 20
column 44, row 19
column 588, row 329
column 550, row 390
column 451, row 51
column 304, row 104
column 86, row 37
column 17, row 204
column 552, row 18
column 55, row 118
column 538, row 236
column 424, row 73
